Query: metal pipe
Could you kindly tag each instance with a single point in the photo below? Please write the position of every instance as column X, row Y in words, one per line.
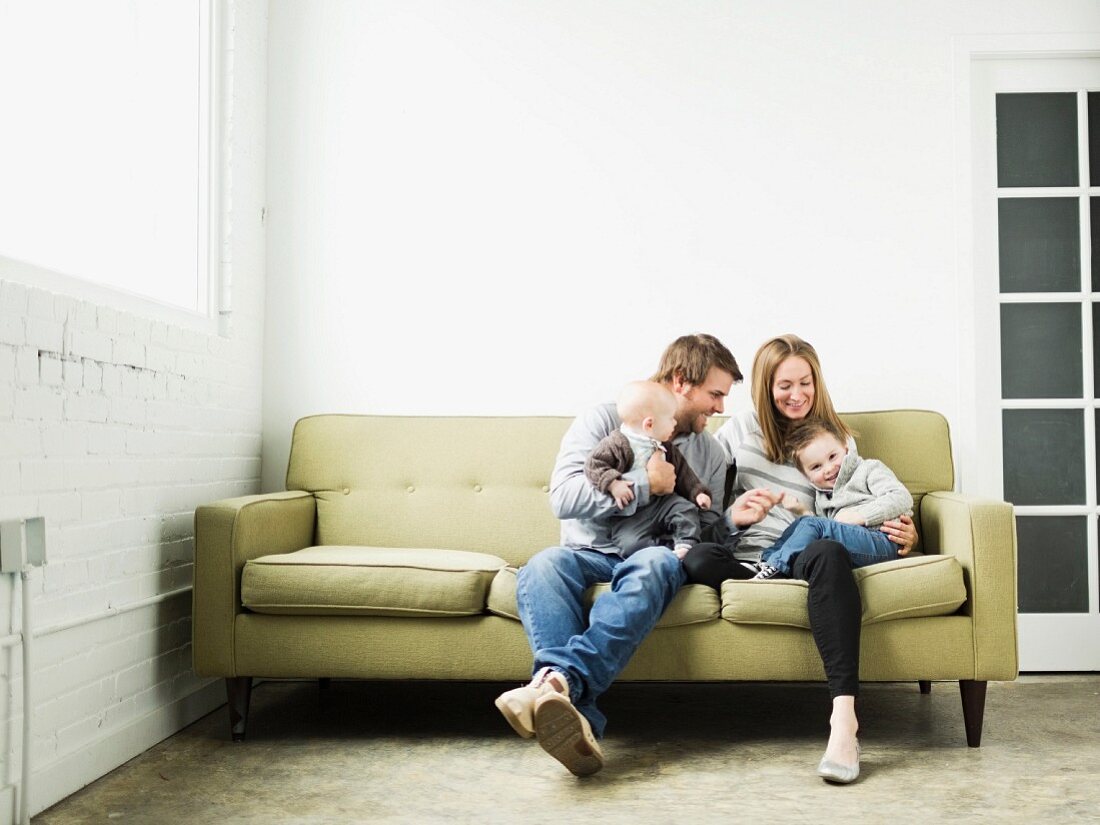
column 28, row 702
column 14, row 638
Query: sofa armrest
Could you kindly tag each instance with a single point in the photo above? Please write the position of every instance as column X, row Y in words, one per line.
column 227, row 534
column 981, row 534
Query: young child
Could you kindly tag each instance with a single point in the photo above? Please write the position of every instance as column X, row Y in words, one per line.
column 853, row 494
column 648, row 413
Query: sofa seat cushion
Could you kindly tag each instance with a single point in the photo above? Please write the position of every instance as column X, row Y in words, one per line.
column 906, row 588
column 372, row 581
column 694, row 604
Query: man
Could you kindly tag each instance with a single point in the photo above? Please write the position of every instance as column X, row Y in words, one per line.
column 576, row 660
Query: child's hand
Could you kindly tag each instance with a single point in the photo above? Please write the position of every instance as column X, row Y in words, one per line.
column 681, row 551
column 622, row 491
column 791, row 503
column 703, row 500
column 849, row 516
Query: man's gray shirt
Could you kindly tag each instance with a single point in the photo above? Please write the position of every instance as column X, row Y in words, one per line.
column 581, row 507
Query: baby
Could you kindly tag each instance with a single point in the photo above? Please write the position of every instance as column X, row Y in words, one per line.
column 853, row 494
column 648, row 413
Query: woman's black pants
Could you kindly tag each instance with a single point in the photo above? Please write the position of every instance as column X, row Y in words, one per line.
column 833, row 601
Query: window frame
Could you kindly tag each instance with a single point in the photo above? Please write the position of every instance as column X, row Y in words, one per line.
column 211, row 251
column 1047, row 641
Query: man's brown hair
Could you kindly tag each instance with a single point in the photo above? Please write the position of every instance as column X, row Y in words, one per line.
column 691, row 357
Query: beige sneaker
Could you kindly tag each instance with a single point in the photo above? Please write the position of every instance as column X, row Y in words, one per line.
column 565, row 734
column 518, row 705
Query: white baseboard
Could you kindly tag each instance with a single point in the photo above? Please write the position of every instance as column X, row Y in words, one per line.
column 56, row 780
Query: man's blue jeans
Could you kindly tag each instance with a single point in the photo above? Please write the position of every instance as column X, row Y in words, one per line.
column 592, row 652
column 865, row 545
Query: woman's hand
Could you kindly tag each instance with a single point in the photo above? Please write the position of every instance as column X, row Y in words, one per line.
column 750, row 507
column 902, row 533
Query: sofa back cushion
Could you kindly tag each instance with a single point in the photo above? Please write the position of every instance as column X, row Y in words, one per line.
column 459, row 483
column 915, row 444
column 482, row 483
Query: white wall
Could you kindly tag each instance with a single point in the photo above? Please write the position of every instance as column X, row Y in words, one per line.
column 510, row 208
column 114, row 427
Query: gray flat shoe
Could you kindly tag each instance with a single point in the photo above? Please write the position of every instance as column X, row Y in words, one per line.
column 839, row 774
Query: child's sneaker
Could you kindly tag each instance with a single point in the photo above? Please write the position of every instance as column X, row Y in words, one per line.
column 518, row 705
column 769, row 572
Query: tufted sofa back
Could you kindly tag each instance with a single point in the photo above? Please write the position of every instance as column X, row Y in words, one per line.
column 482, row 483
column 454, row 483
column 915, row 444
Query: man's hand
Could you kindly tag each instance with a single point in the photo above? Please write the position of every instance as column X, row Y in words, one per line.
column 662, row 475
column 901, row 532
column 703, row 501
column 750, row 507
column 622, row 491
column 850, row 516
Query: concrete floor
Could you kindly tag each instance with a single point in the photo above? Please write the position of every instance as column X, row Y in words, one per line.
column 425, row 753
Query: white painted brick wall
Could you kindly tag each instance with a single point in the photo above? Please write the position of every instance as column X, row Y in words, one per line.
column 115, row 440
column 115, row 427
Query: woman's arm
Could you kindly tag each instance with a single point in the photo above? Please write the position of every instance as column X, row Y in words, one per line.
column 730, row 436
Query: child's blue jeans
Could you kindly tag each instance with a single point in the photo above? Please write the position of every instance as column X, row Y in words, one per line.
column 865, row 545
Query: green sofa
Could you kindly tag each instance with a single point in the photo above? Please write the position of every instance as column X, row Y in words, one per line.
column 393, row 553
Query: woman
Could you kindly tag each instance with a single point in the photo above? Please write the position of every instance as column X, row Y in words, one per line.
column 787, row 387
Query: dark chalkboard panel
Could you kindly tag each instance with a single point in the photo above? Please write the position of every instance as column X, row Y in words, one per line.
column 1044, row 456
column 1037, row 139
column 1040, row 244
column 1052, row 562
column 1094, row 231
column 1041, row 350
column 1097, row 456
column 1094, row 143
column 1096, row 353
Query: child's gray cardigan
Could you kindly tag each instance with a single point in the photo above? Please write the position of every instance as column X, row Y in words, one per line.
column 867, row 486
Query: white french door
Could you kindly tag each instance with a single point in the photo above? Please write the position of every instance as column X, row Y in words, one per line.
column 1036, row 207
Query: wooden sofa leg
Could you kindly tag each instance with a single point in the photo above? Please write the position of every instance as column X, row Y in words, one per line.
column 238, row 691
column 925, row 686
column 973, row 700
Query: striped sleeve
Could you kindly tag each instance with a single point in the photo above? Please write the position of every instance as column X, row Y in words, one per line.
column 741, row 437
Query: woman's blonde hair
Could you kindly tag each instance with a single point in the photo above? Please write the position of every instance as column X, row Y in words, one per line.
column 773, row 425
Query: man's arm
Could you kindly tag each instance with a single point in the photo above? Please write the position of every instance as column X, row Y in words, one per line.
column 706, row 458
column 688, row 484
column 571, row 496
